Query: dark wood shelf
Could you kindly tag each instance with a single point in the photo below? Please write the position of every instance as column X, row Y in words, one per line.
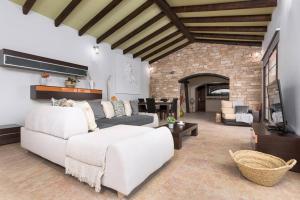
column 48, row 92
column 9, row 134
column 285, row 146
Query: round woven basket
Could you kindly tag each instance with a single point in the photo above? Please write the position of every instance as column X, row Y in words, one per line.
column 261, row 168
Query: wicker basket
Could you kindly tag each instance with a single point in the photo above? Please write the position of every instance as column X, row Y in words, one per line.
column 261, row 168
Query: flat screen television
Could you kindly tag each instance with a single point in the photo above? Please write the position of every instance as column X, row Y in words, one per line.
column 276, row 118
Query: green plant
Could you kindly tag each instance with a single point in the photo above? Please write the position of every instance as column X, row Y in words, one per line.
column 171, row 120
column 73, row 80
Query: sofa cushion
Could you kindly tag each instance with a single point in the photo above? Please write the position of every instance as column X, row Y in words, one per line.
column 241, row 109
column 136, row 120
column 108, row 109
column 118, row 108
column 97, row 108
column 228, row 116
column 135, row 107
column 88, row 112
column 228, row 110
column 127, row 106
column 226, row 104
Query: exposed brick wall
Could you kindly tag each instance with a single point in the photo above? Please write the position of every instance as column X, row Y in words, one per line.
column 239, row 63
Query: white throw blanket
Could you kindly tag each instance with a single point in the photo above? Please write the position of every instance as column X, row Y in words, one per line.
column 244, row 117
column 85, row 154
column 277, row 117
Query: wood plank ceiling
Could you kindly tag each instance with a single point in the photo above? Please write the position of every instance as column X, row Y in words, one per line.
column 153, row 29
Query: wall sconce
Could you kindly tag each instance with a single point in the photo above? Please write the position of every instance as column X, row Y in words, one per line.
column 96, row 49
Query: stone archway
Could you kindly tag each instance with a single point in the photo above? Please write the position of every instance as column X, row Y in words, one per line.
column 186, row 81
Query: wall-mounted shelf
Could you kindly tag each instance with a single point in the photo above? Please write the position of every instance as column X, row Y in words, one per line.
column 10, row 58
column 47, row 92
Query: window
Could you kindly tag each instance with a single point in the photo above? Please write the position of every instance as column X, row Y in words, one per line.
column 270, row 72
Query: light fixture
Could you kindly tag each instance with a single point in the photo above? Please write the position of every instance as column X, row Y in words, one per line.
column 96, row 49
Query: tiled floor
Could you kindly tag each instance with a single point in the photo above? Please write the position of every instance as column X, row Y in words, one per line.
column 202, row 169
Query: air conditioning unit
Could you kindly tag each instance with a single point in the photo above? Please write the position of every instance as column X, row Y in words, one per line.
column 15, row 59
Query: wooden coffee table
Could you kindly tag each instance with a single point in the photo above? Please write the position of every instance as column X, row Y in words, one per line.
column 179, row 131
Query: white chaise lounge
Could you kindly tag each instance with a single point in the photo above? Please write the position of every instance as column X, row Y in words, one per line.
column 131, row 153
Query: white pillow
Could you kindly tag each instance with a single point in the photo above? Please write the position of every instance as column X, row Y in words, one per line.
column 89, row 114
column 127, row 106
column 108, row 109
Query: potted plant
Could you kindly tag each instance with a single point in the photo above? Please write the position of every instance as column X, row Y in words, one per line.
column 71, row 82
column 171, row 121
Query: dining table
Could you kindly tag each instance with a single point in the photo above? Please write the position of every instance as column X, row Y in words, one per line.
column 162, row 103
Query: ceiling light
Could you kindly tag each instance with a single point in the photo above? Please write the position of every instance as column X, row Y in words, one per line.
column 96, row 49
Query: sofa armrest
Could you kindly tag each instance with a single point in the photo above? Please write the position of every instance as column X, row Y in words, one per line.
column 155, row 122
column 129, row 162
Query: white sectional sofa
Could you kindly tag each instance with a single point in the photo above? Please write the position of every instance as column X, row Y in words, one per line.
column 132, row 154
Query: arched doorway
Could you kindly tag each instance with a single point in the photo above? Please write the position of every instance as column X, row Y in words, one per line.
column 204, row 91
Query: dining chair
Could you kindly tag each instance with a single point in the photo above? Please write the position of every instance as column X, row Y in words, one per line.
column 174, row 107
column 151, row 108
column 142, row 108
column 163, row 109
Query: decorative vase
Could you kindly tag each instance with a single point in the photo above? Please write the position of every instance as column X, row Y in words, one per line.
column 70, row 84
column 171, row 126
column 92, row 84
column 43, row 81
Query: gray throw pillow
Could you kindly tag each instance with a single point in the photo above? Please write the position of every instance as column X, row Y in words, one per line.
column 241, row 109
column 118, row 108
column 135, row 107
column 97, row 109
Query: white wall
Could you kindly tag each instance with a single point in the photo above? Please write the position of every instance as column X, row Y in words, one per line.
column 36, row 34
column 286, row 17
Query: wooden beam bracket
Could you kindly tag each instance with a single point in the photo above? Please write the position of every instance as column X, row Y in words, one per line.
column 148, row 48
column 27, row 6
column 226, row 6
column 124, row 21
column 240, row 43
column 241, row 18
column 164, row 6
column 149, row 37
column 99, row 16
column 169, row 52
column 66, row 12
column 170, row 44
column 137, row 30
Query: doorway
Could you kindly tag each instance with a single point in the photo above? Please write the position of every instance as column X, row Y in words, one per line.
column 201, row 98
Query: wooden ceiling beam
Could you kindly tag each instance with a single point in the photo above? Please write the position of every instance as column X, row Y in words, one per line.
column 124, row 21
column 148, row 48
column 164, row 6
column 27, row 6
column 228, row 36
column 99, row 16
column 241, row 43
column 66, row 12
column 149, row 37
column 229, row 28
column 242, row 18
column 226, row 6
column 169, row 52
column 163, row 47
column 137, row 30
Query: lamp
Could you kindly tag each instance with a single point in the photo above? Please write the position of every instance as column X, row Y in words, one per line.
column 96, row 49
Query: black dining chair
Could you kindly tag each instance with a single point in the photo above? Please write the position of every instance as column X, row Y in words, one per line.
column 142, row 108
column 163, row 109
column 151, row 108
column 174, row 107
